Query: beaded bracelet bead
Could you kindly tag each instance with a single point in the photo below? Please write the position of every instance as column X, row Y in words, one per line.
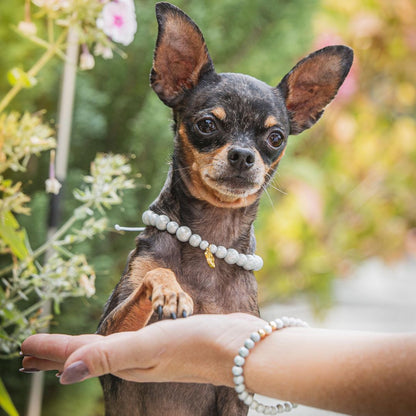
column 184, row 234
column 241, row 357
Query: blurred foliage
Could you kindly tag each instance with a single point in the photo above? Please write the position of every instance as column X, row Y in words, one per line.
column 350, row 184
column 26, row 284
column 346, row 185
column 34, row 279
column 5, row 401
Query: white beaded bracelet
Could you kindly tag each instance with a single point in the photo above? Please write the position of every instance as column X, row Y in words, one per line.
column 241, row 357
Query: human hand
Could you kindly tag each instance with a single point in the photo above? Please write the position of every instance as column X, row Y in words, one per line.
column 196, row 349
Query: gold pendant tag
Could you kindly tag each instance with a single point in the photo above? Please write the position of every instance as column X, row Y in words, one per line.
column 210, row 258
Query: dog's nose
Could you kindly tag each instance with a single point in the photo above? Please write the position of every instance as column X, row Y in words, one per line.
column 241, row 158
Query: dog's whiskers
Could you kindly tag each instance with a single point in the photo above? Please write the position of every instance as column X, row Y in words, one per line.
column 181, row 169
column 268, row 196
column 273, row 184
column 277, row 189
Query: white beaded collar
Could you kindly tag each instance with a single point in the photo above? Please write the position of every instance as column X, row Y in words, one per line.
column 184, row 234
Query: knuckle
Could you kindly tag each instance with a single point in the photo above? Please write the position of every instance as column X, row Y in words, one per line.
column 157, row 291
column 158, row 300
column 183, row 297
column 102, row 363
column 171, row 298
column 188, row 300
column 185, row 304
column 169, row 308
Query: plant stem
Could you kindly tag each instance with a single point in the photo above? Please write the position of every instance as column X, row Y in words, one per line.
column 40, row 250
column 19, row 297
column 44, row 59
column 50, row 30
column 40, row 42
column 62, row 230
column 25, row 313
column 9, row 96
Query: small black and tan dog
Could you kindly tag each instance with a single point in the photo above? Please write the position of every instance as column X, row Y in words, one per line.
column 231, row 132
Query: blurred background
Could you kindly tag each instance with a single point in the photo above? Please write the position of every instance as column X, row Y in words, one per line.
column 337, row 227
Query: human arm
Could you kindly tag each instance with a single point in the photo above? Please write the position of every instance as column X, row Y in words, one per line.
column 350, row 372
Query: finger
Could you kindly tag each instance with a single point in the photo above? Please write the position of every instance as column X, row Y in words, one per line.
column 55, row 347
column 134, row 352
column 33, row 364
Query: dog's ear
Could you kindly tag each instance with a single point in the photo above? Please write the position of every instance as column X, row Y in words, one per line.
column 313, row 83
column 181, row 57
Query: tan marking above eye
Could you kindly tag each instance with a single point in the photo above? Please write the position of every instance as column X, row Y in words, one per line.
column 270, row 122
column 182, row 130
column 219, row 112
column 198, row 187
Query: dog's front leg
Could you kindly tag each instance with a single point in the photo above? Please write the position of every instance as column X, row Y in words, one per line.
column 168, row 298
column 156, row 290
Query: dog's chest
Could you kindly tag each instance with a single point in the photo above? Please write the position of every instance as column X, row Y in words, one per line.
column 222, row 289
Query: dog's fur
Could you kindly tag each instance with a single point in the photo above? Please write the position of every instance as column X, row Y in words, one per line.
column 230, row 133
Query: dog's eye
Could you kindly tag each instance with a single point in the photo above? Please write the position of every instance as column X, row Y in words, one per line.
column 206, row 125
column 276, row 139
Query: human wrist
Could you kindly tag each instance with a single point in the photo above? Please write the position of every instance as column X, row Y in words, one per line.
column 242, row 383
column 230, row 332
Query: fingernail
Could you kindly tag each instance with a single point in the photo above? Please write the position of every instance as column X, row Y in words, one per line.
column 184, row 314
column 58, row 374
column 75, row 373
column 173, row 315
column 28, row 370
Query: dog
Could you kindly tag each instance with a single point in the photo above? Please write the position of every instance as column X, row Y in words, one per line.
column 196, row 254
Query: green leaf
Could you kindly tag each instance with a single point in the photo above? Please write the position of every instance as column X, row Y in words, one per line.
column 18, row 76
column 6, row 402
column 13, row 236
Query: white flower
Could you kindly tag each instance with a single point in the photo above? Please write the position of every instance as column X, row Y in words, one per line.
column 118, row 21
column 27, row 28
column 53, row 186
column 53, row 5
column 104, row 51
column 86, row 60
column 87, row 283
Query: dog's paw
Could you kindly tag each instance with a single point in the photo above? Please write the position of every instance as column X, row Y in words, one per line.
column 167, row 297
column 170, row 304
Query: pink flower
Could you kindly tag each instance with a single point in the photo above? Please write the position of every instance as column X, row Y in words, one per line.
column 118, row 21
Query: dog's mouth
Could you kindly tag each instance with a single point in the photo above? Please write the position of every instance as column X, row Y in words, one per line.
column 213, row 179
column 233, row 186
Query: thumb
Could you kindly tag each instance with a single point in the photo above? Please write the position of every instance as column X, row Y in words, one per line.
column 112, row 354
